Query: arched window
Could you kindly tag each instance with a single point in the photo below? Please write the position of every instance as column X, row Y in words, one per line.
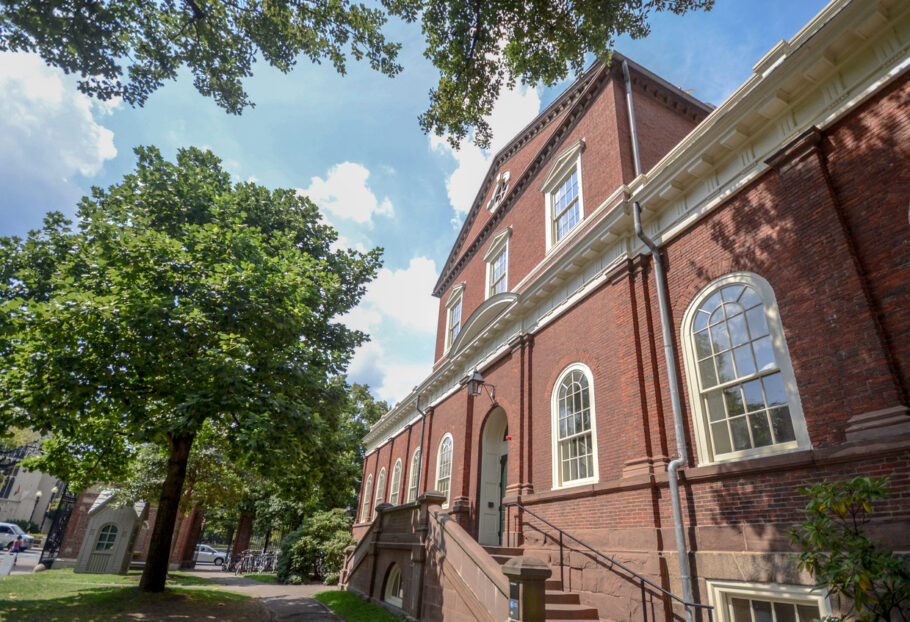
column 367, row 491
column 741, row 382
column 414, row 476
column 444, row 467
column 574, row 436
column 394, row 589
column 106, row 538
column 396, row 483
column 380, row 489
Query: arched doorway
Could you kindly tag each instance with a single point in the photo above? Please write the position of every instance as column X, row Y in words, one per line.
column 493, row 478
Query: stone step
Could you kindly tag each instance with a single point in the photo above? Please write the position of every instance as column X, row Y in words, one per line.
column 561, row 598
column 553, row 584
column 503, row 550
column 570, row 612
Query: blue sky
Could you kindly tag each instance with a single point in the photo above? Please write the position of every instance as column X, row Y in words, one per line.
column 351, row 143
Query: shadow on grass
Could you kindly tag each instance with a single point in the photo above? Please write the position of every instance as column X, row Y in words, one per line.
column 352, row 608
column 107, row 603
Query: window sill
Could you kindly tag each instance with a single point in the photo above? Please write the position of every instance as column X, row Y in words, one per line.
column 590, row 481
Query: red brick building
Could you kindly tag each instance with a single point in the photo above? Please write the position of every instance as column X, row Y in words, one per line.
column 781, row 223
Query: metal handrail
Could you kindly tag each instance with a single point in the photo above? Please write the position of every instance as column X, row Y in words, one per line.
column 708, row 608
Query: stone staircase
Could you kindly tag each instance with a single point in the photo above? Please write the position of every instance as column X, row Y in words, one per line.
column 560, row 605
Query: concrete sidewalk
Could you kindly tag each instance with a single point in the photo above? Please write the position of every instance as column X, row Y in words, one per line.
column 287, row 603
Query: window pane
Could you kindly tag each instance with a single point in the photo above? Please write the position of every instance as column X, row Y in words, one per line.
column 764, row 355
column 741, row 610
column 716, row 406
column 761, row 610
column 785, row 612
column 749, row 298
column 725, row 372
column 753, row 395
column 732, row 293
column 701, row 320
column 719, row 337
column 734, row 400
column 711, row 303
column 721, row 437
column 782, row 425
column 738, row 333
column 740, row 432
column 774, row 390
column 757, row 324
column 807, row 613
column 744, row 364
column 702, row 344
column 708, row 377
column 761, row 433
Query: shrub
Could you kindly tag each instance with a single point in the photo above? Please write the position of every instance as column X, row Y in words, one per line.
column 315, row 548
column 26, row 525
column 842, row 558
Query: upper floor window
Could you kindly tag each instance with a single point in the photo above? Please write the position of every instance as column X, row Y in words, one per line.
column 380, row 489
column 742, row 386
column 499, row 191
column 414, row 475
column 367, row 492
column 444, row 468
column 562, row 189
column 574, row 436
column 497, row 260
column 395, row 487
column 453, row 315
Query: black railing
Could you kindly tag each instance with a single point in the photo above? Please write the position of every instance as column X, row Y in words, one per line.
column 707, row 608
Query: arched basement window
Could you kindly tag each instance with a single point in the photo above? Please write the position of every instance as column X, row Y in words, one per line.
column 394, row 589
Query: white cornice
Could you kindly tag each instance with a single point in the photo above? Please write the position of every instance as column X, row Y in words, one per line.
column 849, row 51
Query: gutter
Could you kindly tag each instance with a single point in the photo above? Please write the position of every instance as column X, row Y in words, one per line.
column 666, row 327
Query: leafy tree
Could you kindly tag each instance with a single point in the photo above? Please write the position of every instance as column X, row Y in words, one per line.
column 316, row 548
column 129, row 48
column 838, row 552
column 181, row 300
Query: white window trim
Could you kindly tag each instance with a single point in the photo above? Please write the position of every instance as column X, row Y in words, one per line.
column 568, row 161
column 554, row 429
column 395, row 484
column 448, row 436
column 498, row 246
column 781, row 356
column 389, row 596
column 720, row 591
column 496, row 196
column 367, row 497
column 380, row 489
column 413, row 476
column 456, row 296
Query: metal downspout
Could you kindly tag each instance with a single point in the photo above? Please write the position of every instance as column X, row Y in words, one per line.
column 423, row 425
column 670, row 354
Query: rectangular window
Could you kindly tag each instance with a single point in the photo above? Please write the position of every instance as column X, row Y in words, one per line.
column 499, row 272
column 454, row 321
column 6, row 484
column 566, row 206
column 766, row 602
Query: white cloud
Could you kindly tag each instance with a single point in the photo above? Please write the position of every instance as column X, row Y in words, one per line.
column 399, row 314
column 512, row 112
column 48, row 133
column 345, row 194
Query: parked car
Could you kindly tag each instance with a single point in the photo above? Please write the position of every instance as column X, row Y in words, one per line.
column 205, row 553
column 8, row 533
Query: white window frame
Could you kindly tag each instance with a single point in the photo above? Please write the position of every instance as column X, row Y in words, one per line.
column 446, row 437
column 720, row 593
column 563, row 166
column 380, row 489
column 395, row 484
column 390, row 595
column 367, row 497
column 558, row 484
column 498, row 247
column 499, row 191
column 781, row 356
column 414, row 476
column 454, row 302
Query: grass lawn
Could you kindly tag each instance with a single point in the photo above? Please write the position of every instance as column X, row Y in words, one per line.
column 63, row 596
column 353, row 609
column 265, row 577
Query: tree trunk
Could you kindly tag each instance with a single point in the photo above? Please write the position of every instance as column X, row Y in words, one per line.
column 156, row 565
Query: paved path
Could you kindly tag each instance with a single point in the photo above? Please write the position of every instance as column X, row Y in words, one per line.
column 288, row 603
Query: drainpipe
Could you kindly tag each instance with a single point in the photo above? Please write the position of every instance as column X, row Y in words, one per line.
column 423, row 424
column 666, row 327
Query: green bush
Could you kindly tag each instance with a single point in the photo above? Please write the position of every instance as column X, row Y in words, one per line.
column 839, row 554
column 316, row 548
column 26, row 525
